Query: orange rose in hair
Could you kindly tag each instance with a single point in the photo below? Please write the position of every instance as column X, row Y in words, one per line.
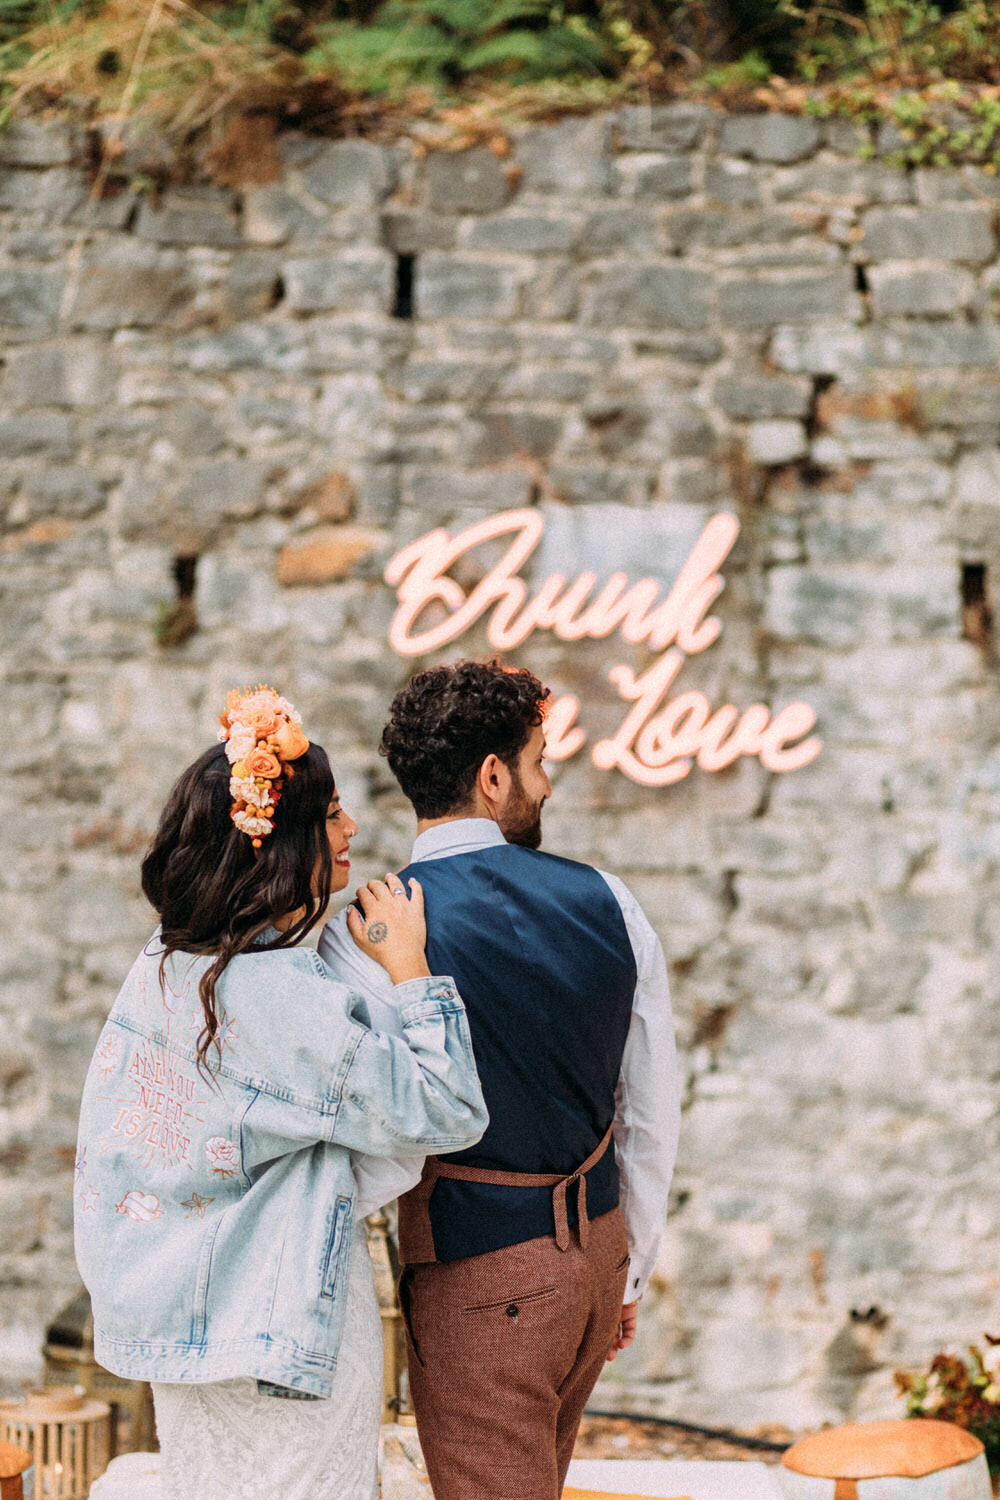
column 289, row 741
column 261, row 762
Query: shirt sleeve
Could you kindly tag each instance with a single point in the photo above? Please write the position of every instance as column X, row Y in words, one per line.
column 647, row 1100
column 379, row 1179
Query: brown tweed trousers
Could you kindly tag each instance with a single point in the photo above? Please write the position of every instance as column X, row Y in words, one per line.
column 504, row 1349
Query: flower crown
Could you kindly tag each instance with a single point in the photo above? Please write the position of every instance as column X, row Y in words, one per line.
column 262, row 735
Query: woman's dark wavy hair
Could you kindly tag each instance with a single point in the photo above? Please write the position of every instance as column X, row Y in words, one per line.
column 447, row 720
column 213, row 892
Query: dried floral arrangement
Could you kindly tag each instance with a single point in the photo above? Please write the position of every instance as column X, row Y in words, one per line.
column 964, row 1389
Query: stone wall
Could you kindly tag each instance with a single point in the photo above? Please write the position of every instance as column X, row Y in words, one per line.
column 223, row 411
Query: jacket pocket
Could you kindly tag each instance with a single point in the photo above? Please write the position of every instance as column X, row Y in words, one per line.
column 340, row 1233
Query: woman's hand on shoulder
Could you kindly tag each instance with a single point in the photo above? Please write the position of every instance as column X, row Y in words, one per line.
column 392, row 930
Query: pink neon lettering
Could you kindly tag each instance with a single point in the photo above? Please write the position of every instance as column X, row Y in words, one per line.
column 659, row 741
column 561, row 739
column 667, row 743
column 419, row 570
column 786, row 727
column 419, row 573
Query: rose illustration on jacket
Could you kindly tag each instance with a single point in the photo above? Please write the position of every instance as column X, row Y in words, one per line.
column 109, row 1054
column 140, row 1206
column 222, row 1156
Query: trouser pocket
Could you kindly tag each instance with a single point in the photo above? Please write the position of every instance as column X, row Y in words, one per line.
column 406, row 1308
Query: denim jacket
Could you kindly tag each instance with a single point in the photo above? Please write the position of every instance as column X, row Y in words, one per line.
column 214, row 1213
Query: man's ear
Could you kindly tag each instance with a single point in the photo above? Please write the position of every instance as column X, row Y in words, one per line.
column 493, row 782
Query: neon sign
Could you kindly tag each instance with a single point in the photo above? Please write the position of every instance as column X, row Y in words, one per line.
column 659, row 741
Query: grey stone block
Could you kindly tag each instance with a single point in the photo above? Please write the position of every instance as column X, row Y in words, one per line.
column 749, row 399
column 138, row 146
column 189, row 511
column 977, row 479
column 501, row 435
column 254, row 284
column 62, row 490
column 449, row 379
column 266, row 346
column 29, row 300
column 465, row 182
column 33, row 244
column 351, row 172
column 77, row 373
column 131, row 286
column 600, row 484
column 771, row 137
column 934, row 343
column 449, row 286
column 408, row 232
column 955, row 185
column 903, row 291
column 114, row 209
column 827, row 350
column 46, row 432
column 952, row 233
column 726, row 229
column 552, row 293
column 841, row 607
column 273, row 216
column 49, row 197
column 318, row 283
column 525, row 234
column 188, row 219
column 571, row 158
column 625, row 227
column 441, row 492
column 843, row 182
column 41, row 143
column 760, row 303
column 618, row 424
column 652, row 175
column 524, row 383
column 193, row 429
column 733, row 182
column 663, row 127
column 776, row 441
column 650, row 296
column 849, row 137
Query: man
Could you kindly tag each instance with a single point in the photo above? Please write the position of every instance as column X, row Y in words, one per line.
column 517, row 1282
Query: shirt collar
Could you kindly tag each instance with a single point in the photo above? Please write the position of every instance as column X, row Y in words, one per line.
column 457, row 836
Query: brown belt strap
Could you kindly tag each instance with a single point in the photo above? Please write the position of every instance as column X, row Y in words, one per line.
column 438, row 1168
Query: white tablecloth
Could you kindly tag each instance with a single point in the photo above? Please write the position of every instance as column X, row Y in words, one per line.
column 701, row 1480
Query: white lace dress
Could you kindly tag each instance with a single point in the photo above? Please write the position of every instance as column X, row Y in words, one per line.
column 226, row 1441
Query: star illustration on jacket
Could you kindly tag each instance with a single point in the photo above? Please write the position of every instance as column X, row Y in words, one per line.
column 88, row 1199
column 196, row 1204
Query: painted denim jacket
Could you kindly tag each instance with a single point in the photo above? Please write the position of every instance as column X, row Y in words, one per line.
column 214, row 1214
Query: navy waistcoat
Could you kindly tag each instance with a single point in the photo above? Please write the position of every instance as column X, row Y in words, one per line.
column 541, row 955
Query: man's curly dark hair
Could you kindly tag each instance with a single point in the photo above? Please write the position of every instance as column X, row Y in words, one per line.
column 447, row 720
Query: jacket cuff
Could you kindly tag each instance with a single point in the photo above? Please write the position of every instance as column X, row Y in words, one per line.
column 420, row 999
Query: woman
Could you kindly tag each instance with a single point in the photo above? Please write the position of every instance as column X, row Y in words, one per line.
column 234, row 1077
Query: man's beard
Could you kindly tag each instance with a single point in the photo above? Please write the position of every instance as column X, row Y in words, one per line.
column 522, row 820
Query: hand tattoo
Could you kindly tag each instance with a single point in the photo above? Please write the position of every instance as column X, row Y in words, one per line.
column 377, row 932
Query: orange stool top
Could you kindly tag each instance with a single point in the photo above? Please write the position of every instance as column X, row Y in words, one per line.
column 906, row 1449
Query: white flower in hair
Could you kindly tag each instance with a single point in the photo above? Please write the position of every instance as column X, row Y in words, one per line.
column 287, row 709
column 240, row 743
column 255, row 827
column 246, row 789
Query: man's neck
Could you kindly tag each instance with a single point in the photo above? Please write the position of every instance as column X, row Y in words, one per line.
column 467, row 812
